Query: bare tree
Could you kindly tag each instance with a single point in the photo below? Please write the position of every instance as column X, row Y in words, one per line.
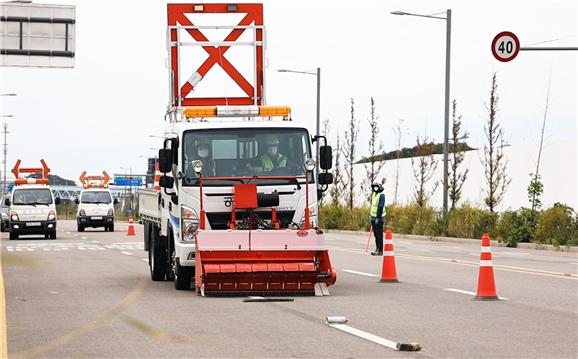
column 457, row 146
column 424, row 167
column 337, row 188
column 494, row 161
column 398, row 140
column 536, row 187
column 349, row 152
column 375, row 166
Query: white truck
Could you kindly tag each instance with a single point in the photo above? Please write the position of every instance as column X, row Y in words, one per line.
column 32, row 204
column 95, row 206
column 237, row 207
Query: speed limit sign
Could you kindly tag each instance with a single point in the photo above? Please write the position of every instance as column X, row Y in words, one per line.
column 505, row 46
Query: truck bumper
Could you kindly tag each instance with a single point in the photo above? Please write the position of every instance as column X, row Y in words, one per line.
column 95, row 221
column 33, row 227
column 186, row 254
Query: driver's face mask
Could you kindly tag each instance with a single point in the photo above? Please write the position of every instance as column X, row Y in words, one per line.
column 272, row 150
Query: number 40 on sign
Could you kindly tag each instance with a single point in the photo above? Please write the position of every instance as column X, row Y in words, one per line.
column 505, row 46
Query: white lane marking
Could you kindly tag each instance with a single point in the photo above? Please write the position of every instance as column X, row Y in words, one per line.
column 360, row 273
column 95, row 241
column 145, row 259
column 467, row 292
column 83, row 238
column 67, row 232
column 127, row 253
column 365, row 335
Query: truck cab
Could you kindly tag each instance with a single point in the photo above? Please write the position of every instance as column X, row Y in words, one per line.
column 32, row 211
column 95, row 209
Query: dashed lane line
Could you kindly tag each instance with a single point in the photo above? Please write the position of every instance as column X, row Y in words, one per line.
column 467, row 292
column 126, row 253
column 471, row 264
column 359, row 273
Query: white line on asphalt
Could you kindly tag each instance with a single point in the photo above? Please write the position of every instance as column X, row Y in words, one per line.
column 83, row 238
column 145, row 259
column 67, row 232
column 367, row 336
column 95, row 241
column 467, row 292
column 127, row 253
column 360, row 273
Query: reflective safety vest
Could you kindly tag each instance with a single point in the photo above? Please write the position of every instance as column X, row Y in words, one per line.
column 375, row 203
column 269, row 164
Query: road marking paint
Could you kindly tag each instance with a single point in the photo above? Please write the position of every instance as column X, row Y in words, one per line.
column 360, row 273
column 145, row 259
column 471, row 264
column 467, row 292
column 83, row 238
column 365, row 335
column 95, row 241
column 3, row 327
column 127, row 253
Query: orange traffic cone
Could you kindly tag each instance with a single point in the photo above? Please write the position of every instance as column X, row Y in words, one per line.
column 130, row 227
column 388, row 272
column 486, row 284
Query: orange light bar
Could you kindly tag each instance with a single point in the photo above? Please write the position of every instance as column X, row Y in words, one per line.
column 19, row 180
column 103, row 180
column 31, row 181
column 203, row 111
column 236, row 111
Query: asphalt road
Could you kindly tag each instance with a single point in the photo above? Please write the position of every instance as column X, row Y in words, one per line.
column 88, row 295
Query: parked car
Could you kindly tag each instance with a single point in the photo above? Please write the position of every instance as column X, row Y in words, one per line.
column 4, row 209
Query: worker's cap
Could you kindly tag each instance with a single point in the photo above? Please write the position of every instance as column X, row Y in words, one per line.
column 271, row 141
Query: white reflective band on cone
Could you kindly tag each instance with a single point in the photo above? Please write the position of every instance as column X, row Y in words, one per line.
column 388, row 254
column 486, row 263
column 388, row 241
column 486, row 249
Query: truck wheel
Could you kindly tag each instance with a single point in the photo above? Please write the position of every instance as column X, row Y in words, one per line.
column 53, row 235
column 13, row 235
column 111, row 228
column 80, row 228
column 157, row 258
column 183, row 276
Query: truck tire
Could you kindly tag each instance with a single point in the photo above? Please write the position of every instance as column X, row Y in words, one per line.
column 111, row 228
column 80, row 228
column 13, row 235
column 53, row 234
column 157, row 257
column 183, row 276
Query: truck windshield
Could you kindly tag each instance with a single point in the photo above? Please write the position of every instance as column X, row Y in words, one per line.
column 96, row 197
column 245, row 153
column 32, row 196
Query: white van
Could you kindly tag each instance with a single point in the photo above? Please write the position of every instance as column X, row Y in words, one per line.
column 32, row 211
column 95, row 209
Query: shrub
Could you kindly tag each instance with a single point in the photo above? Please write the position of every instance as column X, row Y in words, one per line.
column 468, row 221
column 517, row 226
column 557, row 226
column 411, row 219
column 339, row 217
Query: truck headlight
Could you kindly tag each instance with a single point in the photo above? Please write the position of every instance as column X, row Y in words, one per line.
column 189, row 224
column 51, row 215
column 82, row 212
column 14, row 216
column 110, row 212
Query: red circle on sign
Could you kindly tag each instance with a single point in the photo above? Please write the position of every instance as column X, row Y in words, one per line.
column 514, row 54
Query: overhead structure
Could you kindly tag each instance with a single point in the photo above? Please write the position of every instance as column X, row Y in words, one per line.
column 189, row 84
column 17, row 171
column 94, row 181
column 37, row 35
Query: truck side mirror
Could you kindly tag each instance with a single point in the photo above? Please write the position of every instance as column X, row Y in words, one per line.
column 165, row 160
column 325, row 178
column 76, row 201
column 57, row 200
column 166, row 182
column 7, row 201
column 325, row 157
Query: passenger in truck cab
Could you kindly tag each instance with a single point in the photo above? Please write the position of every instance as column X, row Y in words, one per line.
column 202, row 152
column 272, row 159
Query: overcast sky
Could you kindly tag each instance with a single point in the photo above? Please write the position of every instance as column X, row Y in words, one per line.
column 99, row 114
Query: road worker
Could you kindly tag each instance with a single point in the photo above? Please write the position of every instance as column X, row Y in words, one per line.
column 377, row 215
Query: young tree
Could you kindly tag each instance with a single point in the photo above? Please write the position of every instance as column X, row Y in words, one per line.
column 494, row 162
column 337, row 188
column 349, row 152
column 375, row 148
column 398, row 140
column 457, row 147
column 424, row 167
column 536, row 187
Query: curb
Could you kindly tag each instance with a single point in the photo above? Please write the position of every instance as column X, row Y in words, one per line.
column 469, row 241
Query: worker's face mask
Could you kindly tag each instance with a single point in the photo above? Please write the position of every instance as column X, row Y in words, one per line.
column 272, row 150
column 203, row 152
column 375, row 188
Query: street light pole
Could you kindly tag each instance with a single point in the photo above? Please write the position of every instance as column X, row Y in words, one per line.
column 448, row 20
column 317, row 73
